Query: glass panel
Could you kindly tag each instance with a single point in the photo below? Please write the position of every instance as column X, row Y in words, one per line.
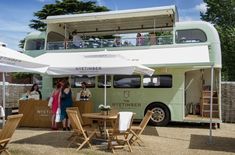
column 126, row 81
column 77, row 81
column 157, row 81
column 35, row 44
column 190, row 36
column 101, row 81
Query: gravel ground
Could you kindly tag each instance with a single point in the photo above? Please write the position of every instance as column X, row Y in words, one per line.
column 176, row 138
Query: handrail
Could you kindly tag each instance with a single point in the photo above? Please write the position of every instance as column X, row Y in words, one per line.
column 109, row 43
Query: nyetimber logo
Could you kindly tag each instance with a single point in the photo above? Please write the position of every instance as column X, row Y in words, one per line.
column 10, row 61
column 88, row 68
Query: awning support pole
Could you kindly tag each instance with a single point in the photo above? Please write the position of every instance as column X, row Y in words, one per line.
column 211, row 103
column 3, row 96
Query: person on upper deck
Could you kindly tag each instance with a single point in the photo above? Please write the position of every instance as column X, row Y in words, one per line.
column 77, row 40
column 152, row 38
column 139, row 40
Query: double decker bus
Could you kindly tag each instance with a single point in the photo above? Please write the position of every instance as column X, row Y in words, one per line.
column 186, row 57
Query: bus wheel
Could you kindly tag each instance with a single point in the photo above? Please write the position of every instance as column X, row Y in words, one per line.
column 161, row 115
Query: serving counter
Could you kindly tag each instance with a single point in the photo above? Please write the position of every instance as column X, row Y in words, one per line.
column 38, row 114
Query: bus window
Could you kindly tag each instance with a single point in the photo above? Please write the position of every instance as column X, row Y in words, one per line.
column 58, row 79
column 157, row 81
column 101, row 81
column 35, row 44
column 190, row 36
column 126, row 81
column 77, row 81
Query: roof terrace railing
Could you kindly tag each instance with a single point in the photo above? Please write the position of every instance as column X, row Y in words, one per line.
column 109, row 43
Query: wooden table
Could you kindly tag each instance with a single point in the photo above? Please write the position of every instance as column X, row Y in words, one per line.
column 38, row 114
column 102, row 120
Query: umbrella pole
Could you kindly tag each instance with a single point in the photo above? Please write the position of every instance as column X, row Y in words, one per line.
column 211, row 103
column 3, row 97
column 105, row 96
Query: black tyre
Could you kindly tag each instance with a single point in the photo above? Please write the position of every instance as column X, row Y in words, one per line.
column 161, row 115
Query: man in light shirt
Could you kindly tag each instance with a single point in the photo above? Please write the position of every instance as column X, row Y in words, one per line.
column 77, row 40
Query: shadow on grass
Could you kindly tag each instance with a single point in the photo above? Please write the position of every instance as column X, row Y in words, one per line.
column 201, row 142
column 55, row 139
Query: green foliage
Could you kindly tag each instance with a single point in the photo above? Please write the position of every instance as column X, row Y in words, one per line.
column 21, row 75
column 221, row 13
column 63, row 7
column 21, row 44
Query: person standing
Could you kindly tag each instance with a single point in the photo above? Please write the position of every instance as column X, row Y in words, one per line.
column 55, row 104
column 85, row 93
column 66, row 101
column 35, row 91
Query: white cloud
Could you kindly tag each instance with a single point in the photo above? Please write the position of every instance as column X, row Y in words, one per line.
column 43, row 1
column 201, row 7
column 100, row 2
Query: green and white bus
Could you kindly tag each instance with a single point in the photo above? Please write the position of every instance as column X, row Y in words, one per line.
column 185, row 56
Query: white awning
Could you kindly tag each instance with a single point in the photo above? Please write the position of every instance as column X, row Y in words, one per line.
column 163, row 57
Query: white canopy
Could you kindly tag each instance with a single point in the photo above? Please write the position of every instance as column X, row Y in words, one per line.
column 90, row 63
column 13, row 61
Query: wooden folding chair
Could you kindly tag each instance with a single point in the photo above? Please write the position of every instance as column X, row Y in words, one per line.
column 79, row 115
column 80, row 132
column 117, row 138
column 137, row 130
column 7, row 131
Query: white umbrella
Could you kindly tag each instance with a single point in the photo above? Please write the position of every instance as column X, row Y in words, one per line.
column 91, row 63
column 13, row 61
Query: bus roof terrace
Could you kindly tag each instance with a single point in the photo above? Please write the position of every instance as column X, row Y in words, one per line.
column 110, row 23
column 118, row 20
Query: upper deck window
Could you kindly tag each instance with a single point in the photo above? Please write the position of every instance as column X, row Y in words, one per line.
column 35, row 44
column 190, row 36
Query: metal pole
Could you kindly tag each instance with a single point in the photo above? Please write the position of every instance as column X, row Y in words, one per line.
column 211, row 103
column 154, row 24
column 3, row 96
column 105, row 95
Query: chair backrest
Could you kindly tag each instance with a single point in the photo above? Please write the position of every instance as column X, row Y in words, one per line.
column 145, row 120
column 10, row 126
column 75, row 121
column 78, row 113
column 128, row 121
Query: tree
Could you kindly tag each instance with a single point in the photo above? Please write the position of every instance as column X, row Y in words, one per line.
column 221, row 13
column 63, row 7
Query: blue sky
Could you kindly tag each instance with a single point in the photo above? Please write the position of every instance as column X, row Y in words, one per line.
column 15, row 15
